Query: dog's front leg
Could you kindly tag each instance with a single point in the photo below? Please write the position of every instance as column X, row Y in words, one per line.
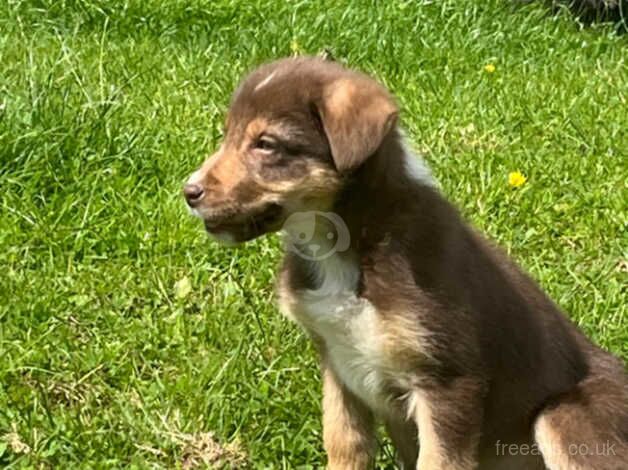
column 348, row 432
column 449, row 418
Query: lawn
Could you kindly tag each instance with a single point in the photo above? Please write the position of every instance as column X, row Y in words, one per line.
column 129, row 340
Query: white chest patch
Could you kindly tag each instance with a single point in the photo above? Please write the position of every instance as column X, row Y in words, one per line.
column 349, row 327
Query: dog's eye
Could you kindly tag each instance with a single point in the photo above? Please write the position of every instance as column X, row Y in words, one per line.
column 265, row 144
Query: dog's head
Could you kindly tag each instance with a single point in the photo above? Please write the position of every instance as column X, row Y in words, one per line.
column 295, row 130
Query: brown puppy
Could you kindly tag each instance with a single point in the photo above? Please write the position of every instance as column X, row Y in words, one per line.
column 419, row 321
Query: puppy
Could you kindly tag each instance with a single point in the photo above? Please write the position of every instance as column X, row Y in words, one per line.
column 420, row 322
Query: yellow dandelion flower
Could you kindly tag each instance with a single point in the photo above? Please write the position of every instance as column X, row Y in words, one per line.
column 489, row 68
column 516, row 179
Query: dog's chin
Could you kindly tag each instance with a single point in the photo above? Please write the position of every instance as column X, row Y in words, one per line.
column 270, row 219
column 224, row 238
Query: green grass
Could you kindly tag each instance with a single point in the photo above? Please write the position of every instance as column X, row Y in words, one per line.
column 108, row 106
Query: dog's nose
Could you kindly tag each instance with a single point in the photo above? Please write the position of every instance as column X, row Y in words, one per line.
column 193, row 194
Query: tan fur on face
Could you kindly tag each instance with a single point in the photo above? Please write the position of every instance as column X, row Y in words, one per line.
column 227, row 166
column 320, row 184
column 228, row 171
column 255, row 127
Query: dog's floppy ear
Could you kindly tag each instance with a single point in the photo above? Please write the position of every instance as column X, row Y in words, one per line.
column 356, row 113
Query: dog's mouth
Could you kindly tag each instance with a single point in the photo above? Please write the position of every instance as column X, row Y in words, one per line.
column 246, row 226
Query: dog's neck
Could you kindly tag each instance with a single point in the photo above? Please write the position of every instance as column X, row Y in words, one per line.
column 372, row 209
column 384, row 192
column 392, row 166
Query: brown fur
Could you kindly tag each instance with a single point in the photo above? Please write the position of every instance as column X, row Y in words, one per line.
column 469, row 349
column 348, row 433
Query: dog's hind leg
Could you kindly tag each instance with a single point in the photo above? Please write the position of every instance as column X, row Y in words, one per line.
column 587, row 428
